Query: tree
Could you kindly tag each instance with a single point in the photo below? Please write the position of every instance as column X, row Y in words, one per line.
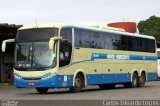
column 150, row 27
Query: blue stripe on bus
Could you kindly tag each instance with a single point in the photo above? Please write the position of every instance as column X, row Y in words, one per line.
column 151, row 58
column 122, row 57
column 151, row 76
column 98, row 56
column 108, row 78
column 134, row 57
column 92, row 79
column 115, row 78
column 114, row 56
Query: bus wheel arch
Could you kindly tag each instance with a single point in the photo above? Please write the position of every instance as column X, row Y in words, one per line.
column 143, row 71
column 83, row 78
column 81, row 72
column 80, row 77
column 135, row 71
column 134, row 80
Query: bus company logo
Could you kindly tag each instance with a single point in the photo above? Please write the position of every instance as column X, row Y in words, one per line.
column 122, row 57
column 95, row 55
column 111, row 56
column 144, row 57
column 118, row 57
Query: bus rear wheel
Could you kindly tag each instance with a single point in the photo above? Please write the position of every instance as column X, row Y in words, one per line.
column 142, row 80
column 134, row 82
column 77, row 84
column 107, row 86
column 42, row 90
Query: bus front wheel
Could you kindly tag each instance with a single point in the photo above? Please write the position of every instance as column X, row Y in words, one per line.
column 42, row 90
column 77, row 84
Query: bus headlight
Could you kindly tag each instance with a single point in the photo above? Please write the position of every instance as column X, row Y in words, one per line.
column 47, row 76
column 17, row 76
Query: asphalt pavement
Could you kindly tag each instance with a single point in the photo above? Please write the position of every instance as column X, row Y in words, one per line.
column 91, row 94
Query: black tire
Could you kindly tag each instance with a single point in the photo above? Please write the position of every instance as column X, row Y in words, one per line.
column 142, row 80
column 42, row 90
column 78, row 83
column 107, row 86
column 134, row 82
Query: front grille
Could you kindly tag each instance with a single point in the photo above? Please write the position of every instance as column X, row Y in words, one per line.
column 31, row 78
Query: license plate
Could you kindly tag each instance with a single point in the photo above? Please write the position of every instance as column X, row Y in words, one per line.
column 31, row 84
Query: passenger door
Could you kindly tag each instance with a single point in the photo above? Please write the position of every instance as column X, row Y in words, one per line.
column 65, row 53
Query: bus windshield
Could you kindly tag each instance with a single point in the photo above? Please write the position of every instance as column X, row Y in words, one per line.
column 34, row 55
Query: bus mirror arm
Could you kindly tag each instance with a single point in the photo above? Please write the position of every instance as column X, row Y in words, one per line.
column 52, row 41
column 4, row 43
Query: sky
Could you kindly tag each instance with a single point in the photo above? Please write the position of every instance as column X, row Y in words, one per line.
column 83, row 12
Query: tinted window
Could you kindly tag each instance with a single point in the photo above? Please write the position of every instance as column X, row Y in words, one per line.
column 77, row 38
column 124, row 42
column 144, row 45
column 100, row 41
column 151, row 46
column 82, row 38
column 108, row 41
column 92, row 39
column 135, row 44
column 36, row 34
column 116, row 42
column 65, row 53
column 66, row 33
column 85, row 38
column 97, row 40
column 130, row 44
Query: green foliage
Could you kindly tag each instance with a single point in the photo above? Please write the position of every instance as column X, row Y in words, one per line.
column 150, row 27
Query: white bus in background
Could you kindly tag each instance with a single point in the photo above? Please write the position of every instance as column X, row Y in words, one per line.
column 158, row 71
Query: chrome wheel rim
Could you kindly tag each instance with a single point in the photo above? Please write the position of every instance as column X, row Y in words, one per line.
column 142, row 80
column 134, row 81
column 78, row 83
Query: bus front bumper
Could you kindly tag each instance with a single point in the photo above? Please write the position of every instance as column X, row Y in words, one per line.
column 56, row 81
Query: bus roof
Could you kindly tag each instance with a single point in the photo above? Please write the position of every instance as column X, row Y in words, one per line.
column 109, row 30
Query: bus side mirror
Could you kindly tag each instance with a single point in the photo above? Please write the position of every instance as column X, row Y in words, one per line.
column 52, row 41
column 4, row 44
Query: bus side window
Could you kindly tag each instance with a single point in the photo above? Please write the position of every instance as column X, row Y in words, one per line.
column 124, row 42
column 78, row 42
column 65, row 53
column 151, row 46
column 66, row 34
